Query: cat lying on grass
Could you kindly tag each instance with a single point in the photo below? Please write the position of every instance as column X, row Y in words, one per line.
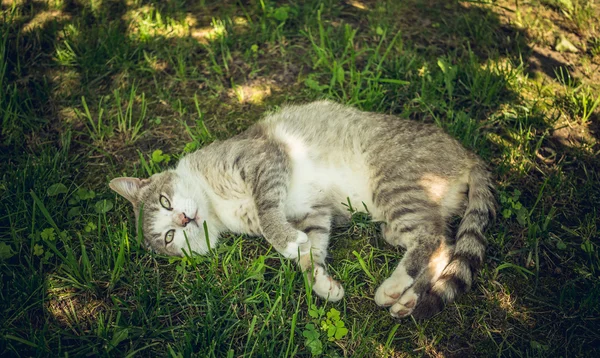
column 286, row 177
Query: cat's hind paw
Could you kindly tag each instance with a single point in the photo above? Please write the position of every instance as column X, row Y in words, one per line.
column 293, row 248
column 405, row 305
column 391, row 289
column 386, row 299
column 325, row 286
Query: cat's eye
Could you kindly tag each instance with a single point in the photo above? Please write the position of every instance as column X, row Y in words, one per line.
column 165, row 202
column 169, row 236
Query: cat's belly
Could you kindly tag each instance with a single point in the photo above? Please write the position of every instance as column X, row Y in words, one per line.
column 351, row 190
column 304, row 190
column 320, row 177
column 339, row 186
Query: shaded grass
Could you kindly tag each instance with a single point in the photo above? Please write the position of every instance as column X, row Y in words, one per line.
column 91, row 90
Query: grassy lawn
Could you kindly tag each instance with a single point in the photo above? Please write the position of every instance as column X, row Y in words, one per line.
column 94, row 89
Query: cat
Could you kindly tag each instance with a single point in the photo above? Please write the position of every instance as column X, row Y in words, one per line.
column 286, row 178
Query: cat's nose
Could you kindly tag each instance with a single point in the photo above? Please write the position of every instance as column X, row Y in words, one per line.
column 184, row 219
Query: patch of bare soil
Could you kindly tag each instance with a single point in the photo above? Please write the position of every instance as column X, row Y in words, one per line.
column 545, row 28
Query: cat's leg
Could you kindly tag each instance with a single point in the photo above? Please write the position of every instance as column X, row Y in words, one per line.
column 317, row 225
column 422, row 264
column 270, row 179
column 418, row 251
column 415, row 223
column 428, row 302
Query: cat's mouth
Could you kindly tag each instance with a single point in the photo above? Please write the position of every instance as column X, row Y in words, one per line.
column 190, row 219
column 194, row 223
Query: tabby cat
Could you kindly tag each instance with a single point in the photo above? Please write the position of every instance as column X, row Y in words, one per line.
column 286, row 177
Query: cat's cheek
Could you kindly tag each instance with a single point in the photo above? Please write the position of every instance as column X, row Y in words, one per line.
column 175, row 251
column 192, row 238
column 180, row 243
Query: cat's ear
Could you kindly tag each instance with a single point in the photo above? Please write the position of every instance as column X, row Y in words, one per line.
column 127, row 187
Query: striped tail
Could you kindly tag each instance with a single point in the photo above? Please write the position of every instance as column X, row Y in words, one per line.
column 469, row 252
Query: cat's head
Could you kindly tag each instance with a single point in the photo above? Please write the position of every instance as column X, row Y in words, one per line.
column 170, row 215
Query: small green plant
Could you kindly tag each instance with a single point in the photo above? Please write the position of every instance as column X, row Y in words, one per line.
column 274, row 19
column 513, row 207
column 334, row 326
column 103, row 206
column 156, row 161
column 76, row 201
column 330, row 322
column 314, row 85
column 44, row 243
column 47, row 236
column 6, row 251
column 65, row 55
column 56, row 189
column 159, row 157
column 126, row 119
column 313, row 339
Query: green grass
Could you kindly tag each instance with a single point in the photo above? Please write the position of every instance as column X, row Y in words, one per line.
column 90, row 90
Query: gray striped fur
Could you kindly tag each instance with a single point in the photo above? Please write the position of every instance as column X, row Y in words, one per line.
column 287, row 176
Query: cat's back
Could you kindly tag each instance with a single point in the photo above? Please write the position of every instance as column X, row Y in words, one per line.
column 329, row 127
column 322, row 127
column 316, row 119
column 344, row 136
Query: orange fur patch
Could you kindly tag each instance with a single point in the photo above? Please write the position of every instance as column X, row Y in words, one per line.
column 439, row 260
column 435, row 186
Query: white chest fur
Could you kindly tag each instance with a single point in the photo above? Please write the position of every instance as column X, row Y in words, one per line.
column 238, row 215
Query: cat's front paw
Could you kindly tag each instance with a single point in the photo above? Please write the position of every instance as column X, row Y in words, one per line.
column 296, row 247
column 325, row 286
